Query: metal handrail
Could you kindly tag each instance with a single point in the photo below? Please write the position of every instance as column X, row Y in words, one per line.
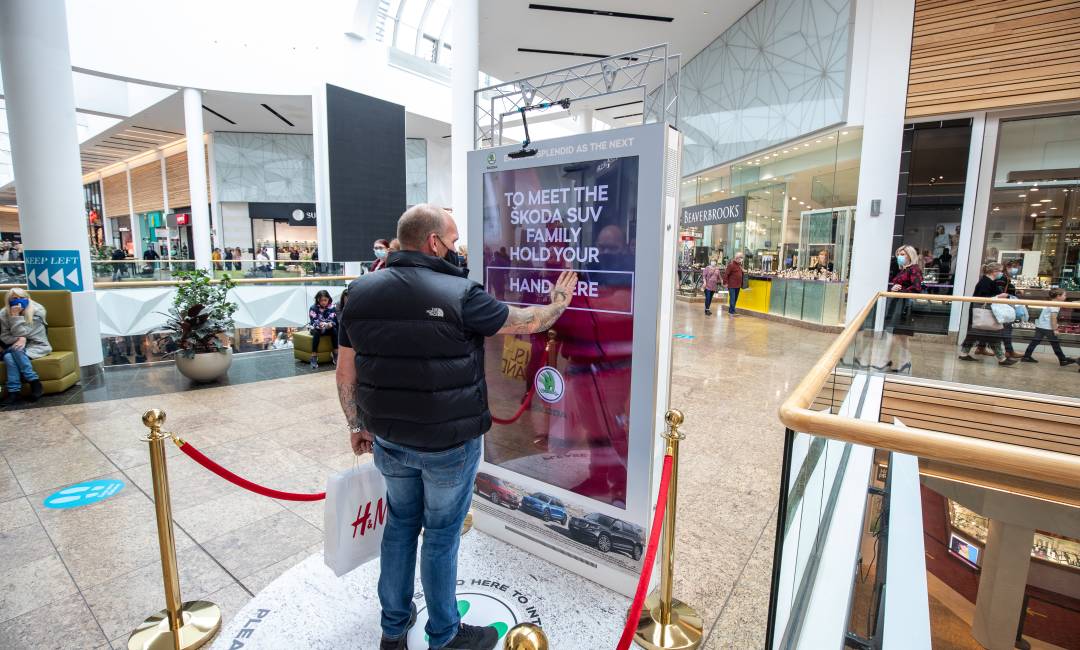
column 142, row 284
column 1013, row 460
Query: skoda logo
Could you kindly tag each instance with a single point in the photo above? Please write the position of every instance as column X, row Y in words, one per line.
column 475, row 608
column 549, row 384
column 298, row 215
column 491, row 159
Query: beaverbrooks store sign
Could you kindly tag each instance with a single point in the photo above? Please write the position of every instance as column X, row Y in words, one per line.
column 716, row 213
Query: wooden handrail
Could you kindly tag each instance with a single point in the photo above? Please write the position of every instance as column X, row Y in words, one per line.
column 1013, row 460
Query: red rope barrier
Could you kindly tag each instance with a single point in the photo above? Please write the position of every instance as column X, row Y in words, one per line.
column 235, row 479
column 650, row 557
column 525, row 402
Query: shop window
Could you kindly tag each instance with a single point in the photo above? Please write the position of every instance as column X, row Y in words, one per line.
column 1034, row 209
column 796, row 233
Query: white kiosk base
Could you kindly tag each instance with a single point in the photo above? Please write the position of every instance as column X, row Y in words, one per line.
column 498, row 584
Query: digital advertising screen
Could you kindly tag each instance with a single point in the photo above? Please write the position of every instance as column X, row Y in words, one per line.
column 539, row 222
column 570, row 460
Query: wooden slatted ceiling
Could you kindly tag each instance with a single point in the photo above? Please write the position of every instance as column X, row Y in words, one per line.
column 1017, row 420
column 971, row 55
column 146, row 191
column 176, row 179
column 116, row 197
column 1013, row 420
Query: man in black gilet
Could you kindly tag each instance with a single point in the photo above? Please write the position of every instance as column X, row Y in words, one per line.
column 410, row 378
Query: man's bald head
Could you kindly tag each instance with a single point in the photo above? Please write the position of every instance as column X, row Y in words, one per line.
column 419, row 222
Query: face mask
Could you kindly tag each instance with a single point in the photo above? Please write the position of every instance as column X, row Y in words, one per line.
column 451, row 255
column 900, row 259
column 998, row 275
column 1014, row 272
column 380, row 253
column 21, row 302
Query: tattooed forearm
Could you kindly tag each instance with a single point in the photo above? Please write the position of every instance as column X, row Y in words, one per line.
column 529, row 320
column 347, row 397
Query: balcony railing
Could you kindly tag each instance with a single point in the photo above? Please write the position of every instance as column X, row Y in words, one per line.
column 849, row 569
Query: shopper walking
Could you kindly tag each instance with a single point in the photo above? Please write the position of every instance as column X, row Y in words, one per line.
column 908, row 279
column 414, row 337
column 1046, row 328
column 710, row 278
column 119, row 268
column 733, row 280
column 987, row 329
column 323, row 321
column 22, row 338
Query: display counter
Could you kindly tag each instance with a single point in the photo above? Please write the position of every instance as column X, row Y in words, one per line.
column 813, row 301
column 1056, row 550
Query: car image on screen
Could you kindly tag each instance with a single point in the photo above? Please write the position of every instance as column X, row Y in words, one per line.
column 544, row 506
column 608, row 534
column 496, row 490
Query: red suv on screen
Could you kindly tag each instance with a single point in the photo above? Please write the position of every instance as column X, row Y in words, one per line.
column 496, row 491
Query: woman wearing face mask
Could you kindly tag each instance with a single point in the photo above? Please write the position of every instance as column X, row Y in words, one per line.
column 381, row 248
column 22, row 338
column 908, row 279
column 1005, row 286
column 987, row 287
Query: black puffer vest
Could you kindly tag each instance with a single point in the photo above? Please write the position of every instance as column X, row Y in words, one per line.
column 420, row 374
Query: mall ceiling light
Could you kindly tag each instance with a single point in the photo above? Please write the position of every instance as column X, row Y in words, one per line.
column 1044, row 200
column 1022, row 196
column 599, row 12
column 1034, row 215
column 996, row 209
column 1034, row 189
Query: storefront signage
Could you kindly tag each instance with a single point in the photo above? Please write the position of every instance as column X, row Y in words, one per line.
column 297, row 214
column 53, row 269
column 570, row 467
column 731, row 210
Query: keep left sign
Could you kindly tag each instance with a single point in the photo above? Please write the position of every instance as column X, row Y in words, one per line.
column 53, row 269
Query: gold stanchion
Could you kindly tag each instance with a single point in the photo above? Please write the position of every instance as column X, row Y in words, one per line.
column 466, row 525
column 180, row 626
column 525, row 636
column 667, row 623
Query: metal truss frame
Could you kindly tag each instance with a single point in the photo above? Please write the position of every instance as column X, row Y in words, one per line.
column 630, row 71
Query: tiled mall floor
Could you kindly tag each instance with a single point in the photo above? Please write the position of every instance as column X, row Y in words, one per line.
column 83, row 578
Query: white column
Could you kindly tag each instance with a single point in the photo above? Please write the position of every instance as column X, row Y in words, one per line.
column 40, row 102
column 196, row 164
column 165, row 203
column 886, row 75
column 1002, row 582
column 585, row 120
column 106, row 224
column 216, row 222
column 465, row 73
column 133, row 219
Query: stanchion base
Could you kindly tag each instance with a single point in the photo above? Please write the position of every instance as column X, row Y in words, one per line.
column 683, row 633
column 202, row 619
column 467, row 525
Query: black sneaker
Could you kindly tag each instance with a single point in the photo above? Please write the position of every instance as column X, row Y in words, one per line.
column 1067, row 361
column 708, row 312
column 967, row 357
column 400, row 643
column 1008, row 362
column 37, row 390
column 471, row 637
column 8, row 399
column 1029, row 360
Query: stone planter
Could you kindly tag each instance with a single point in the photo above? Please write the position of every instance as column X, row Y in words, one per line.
column 204, row 366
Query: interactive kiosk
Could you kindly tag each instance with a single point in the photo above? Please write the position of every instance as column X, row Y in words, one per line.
column 570, row 467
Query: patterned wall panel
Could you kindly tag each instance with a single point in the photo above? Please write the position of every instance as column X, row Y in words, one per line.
column 779, row 72
column 264, row 167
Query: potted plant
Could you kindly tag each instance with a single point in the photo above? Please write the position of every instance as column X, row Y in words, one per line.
column 199, row 324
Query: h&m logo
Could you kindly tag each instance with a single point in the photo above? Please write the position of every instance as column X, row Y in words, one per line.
column 364, row 520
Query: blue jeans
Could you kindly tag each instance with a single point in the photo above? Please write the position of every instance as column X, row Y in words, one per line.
column 432, row 490
column 17, row 362
column 708, row 299
column 733, row 297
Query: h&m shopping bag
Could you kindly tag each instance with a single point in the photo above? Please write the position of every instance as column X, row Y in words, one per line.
column 354, row 518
